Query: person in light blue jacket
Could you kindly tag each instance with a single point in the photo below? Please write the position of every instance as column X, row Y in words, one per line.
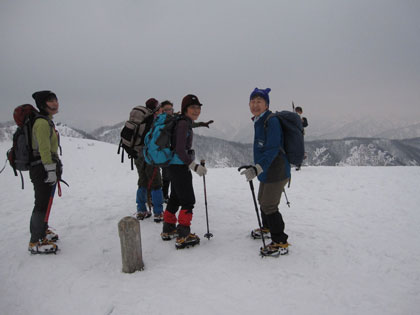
column 272, row 169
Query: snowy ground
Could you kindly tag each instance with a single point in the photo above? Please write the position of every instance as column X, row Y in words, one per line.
column 354, row 231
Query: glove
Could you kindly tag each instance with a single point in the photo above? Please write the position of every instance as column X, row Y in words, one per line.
column 208, row 123
column 199, row 169
column 252, row 172
column 51, row 174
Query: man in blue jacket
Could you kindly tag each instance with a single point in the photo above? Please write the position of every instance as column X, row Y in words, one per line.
column 272, row 168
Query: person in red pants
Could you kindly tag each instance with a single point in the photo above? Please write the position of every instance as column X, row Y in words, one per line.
column 182, row 191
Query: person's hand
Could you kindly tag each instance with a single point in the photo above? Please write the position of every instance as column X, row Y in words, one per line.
column 199, row 169
column 252, row 172
column 206, row 124
column 51, row 171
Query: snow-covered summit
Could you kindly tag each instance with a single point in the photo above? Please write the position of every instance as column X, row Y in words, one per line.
column 354, row 235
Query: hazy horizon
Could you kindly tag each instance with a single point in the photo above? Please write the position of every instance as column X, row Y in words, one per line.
column 339, row 60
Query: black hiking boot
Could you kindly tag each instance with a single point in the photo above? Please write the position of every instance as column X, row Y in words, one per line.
column 275, row 249
column 169, row 231
column 51, row 236
column 43, row 246
column 187, row 241
column 256, row 233
column 143, row 215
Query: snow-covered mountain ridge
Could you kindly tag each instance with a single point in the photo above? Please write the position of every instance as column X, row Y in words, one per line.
column 223, row 153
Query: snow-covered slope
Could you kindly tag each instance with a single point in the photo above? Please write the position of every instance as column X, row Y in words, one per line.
column 354, row 233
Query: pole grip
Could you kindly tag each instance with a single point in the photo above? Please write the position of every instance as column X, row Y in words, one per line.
column 203, row 162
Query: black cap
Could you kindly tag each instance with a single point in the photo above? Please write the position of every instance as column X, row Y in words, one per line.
column 42, row 97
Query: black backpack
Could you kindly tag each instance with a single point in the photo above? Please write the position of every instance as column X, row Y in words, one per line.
column 293, row 142
column 134, row 131
column 20, row 155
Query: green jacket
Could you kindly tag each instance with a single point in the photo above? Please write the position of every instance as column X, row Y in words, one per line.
column 44, row 140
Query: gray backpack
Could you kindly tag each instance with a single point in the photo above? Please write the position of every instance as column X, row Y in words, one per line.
column 134, row 131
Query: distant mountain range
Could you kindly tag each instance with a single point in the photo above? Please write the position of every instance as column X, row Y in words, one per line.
column 222, row 153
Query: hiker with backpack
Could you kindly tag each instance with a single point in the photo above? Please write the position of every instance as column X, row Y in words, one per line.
column 182, row 192
column 150, row 180
column 168, row 108
column 299, row 111
column 45, row 172
column 272, row 168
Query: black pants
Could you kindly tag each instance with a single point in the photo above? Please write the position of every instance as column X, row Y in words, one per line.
column 182, row 191
column 182, row 196
column 165, row 182
column 43, row 191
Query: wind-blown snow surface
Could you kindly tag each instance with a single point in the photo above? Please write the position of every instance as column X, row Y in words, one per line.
column 354, row 233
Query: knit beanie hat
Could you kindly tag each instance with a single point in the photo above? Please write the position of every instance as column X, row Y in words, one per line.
column 261, row 93
column 152, row 103
column 189, row 100
column 42, row 97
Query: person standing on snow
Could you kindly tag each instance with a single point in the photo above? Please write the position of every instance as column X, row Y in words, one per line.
column 273, row 171
column 149, row 179
column 299, row 111
column 182, row 191
column 168, row 108
column 44, row 172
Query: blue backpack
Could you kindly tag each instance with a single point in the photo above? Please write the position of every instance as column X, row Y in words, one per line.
column 158, row 147
column 291, row 125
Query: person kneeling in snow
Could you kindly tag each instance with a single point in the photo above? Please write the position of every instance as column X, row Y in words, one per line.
column 273, row 171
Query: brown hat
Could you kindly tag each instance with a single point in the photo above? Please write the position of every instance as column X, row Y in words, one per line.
column 152, row 103
column 189, row 100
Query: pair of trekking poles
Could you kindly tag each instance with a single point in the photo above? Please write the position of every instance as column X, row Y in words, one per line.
column 251, row 185
column 208, row 235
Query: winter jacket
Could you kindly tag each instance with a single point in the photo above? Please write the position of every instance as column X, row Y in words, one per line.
column 45, row 140
column 267, row 144
column 183, row 137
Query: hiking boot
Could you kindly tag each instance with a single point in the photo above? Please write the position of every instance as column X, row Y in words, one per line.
column 143, row 215
column 167, row 236
column 43, row 247
column 275, row 249
column 158, row 218
column 187, row 241
column 256, row 234
column 51, row 236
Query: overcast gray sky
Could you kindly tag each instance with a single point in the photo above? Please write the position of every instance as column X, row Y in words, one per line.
column 334, row 58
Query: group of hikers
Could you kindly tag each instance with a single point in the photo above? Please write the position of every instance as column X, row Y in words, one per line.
column 271, row 167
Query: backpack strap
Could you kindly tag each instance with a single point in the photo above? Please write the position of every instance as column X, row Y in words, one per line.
column 35, row 153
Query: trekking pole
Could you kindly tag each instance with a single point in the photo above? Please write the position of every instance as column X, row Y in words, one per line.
column 5, row 163
column 251, row 185
column 287, row 200
column 208, row 234
column 293, row 106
